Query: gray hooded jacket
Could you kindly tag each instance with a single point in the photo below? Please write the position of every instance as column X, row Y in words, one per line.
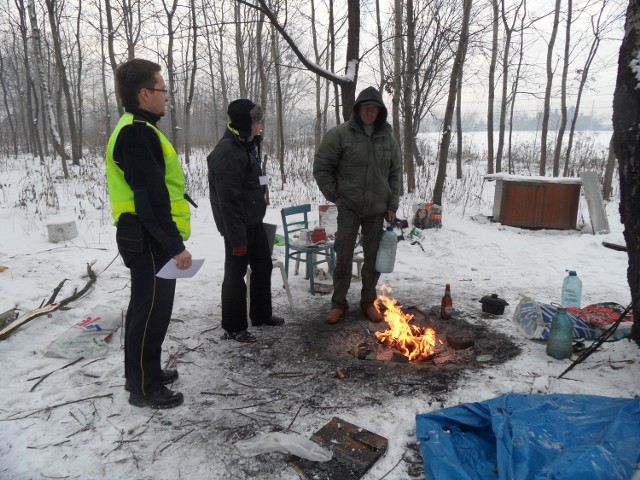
column 365, row 171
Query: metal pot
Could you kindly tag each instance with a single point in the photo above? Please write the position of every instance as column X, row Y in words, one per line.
column 493, row 304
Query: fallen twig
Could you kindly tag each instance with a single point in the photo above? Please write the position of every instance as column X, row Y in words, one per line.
column 49, row 306
column 289, row 374
column 223, row 394
column 51, row 407
column 177, row 439
column 43, row 377
column 47, row 446
column 394, row 467
column 295, row 416
column 259, row 404
column 173, row 358
column 93, row 361
column 209, row 330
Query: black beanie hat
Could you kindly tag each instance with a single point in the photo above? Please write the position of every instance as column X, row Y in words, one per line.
column 239, row 112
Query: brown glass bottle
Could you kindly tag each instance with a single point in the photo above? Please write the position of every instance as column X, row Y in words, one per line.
column 447, row 303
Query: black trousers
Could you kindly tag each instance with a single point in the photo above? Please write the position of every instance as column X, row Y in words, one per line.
column 148, row 314
column 234, row 288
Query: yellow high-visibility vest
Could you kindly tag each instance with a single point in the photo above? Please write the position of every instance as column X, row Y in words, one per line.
column 121, row 195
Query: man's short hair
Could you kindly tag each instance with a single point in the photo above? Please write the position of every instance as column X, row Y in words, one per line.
column 133, row 75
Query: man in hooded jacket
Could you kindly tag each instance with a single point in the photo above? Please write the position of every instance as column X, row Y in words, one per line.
column 358, row 167
column 237, row 188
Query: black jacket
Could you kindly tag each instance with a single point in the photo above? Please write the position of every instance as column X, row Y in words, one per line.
column 237, row 198
column 139, row 154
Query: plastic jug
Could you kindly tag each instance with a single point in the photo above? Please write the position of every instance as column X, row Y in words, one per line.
column 386, row 257
column 560, row 339
column 571, row 290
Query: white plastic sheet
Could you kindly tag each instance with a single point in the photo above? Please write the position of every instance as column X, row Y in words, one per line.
column 285, row 443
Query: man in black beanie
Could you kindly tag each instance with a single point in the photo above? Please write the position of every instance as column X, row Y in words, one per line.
column 237, row 188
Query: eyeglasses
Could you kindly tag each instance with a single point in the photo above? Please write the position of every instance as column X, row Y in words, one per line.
column 163, row 90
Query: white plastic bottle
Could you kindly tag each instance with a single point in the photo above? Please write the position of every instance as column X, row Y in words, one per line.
column 386, row 257
column 571, row 290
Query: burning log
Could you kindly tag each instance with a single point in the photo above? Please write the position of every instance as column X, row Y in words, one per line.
column 415, row 343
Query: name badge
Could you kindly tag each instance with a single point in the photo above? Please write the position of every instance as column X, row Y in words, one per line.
column 264, row 180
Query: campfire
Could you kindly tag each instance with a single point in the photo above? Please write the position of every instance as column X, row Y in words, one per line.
column 414, row 342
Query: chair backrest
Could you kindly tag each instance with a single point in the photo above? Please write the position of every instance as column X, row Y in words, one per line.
column 295, row 219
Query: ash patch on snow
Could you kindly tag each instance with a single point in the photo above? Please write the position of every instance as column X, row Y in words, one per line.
column 289, row 380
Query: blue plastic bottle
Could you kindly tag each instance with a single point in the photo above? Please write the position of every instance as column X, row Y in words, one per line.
column 386, row 257
column 560, row 339
column 571, row 290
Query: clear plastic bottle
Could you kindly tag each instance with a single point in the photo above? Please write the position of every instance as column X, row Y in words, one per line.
column 560, row 339
column 386, row 257
column 446, row 305
column 571, row 290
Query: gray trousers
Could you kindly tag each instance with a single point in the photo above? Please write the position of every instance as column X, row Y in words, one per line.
column 348, row 225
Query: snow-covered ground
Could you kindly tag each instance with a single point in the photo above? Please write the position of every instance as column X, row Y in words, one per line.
column 77, row 422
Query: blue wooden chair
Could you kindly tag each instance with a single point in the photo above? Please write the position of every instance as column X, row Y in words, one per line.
column 295, row 219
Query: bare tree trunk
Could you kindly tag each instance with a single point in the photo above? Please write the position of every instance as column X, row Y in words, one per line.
column 111, row 49
column 224, row 89
column 275, row 54
column 262, row 70
column 44, row 87
column 242, row 80
column 459, row 111
column 327, row 87
column 380, row 52
column 459, row 124
column 597, row 26
column 64, row 81
column 353, row 58
column 132, row 23
column 626, row 138
column 409, row 166
column 5, row 98
column 516, row 81
column 508, row 31
column 332, row 50
column 209, row 36
column 105, row 93
column 170, row 76
column 31, row 93
column 492, row 76
column 608, row 171
column 547, row 93
column 188, row 102
column 263, row 86
column 79, row 97
column 448, row 115
column 317, row 126
column 397, row 69
column 563, row 92
column 43, row 106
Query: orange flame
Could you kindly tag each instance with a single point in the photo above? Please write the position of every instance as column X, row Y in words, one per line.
column 412, row 341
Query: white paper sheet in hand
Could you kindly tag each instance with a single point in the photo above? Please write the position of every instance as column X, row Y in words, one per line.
column 170, row 270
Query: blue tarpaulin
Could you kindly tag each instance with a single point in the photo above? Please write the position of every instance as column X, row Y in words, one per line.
column 515, row 437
